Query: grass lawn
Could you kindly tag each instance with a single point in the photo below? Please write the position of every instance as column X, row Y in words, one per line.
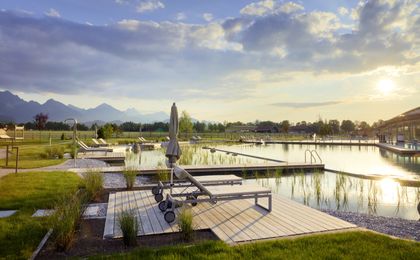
column 20, row 234
column 34, row 156
column 348, row 245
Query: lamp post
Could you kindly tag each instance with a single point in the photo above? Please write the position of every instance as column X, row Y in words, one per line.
column 74, row 137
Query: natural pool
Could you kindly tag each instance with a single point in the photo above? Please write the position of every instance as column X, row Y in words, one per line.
column 324, row 190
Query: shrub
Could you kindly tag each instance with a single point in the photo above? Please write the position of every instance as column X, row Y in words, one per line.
column 93, row 182
column 185, row 223
column 64, row 221
column 130, row 177
column 53, row 152
column 129, row 227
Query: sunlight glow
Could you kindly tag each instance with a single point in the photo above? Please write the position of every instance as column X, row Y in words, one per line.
column 385, row 86
column 390, row 190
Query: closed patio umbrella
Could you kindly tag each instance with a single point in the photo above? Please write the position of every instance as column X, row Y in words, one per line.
column 173, row 151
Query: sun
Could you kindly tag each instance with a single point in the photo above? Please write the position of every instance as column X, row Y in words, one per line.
column 385, row 86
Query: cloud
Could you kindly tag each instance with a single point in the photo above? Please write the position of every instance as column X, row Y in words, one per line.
column 207, row 17
column 149, row 5
column 343, row 11
column 306, row 104
column 52, row 13
column 151, row 59
column 180, row 16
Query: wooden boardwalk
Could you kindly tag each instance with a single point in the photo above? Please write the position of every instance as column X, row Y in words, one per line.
column 221, row 169
column 232, row 221
column 103, row 156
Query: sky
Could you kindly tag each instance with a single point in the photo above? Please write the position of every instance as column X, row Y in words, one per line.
column 218, row 60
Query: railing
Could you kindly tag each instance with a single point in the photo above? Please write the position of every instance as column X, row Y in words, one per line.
column 312, row 155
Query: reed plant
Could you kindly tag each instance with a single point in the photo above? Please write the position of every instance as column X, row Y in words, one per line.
column 162, row 174
column 185, row 223
column 65, row 220
column 129, row 227
column 130, row 175
column 93, row 182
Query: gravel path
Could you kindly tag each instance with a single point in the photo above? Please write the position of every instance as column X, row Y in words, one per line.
column 403, row 228
column 116, row 180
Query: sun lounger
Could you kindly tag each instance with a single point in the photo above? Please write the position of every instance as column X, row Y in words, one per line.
column 96, row 142
column 211, row 194
column 85, row 148
column 207, row 180
column 103, row 141
column 3, row 134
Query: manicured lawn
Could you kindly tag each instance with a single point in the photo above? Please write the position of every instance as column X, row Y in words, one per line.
column 20, row 234
column 35, row 190
column 349, row 245
column 33, row 156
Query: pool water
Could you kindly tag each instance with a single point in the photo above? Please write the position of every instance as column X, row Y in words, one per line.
column 323, row 190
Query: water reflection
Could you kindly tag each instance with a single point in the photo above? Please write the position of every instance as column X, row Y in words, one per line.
column 341, row 192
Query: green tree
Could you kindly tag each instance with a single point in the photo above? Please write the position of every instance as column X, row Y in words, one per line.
column 334, row 126
column 185, row 123
column 285, row 125
column 347, row 126
column 106, row 131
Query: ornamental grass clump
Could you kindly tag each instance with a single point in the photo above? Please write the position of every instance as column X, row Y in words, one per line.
column 129, row 227
column 130, row 177
column 65, row 220
column 185, row 223
column 93, row 182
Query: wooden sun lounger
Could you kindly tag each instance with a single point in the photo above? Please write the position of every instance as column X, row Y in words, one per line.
column 211, row 194
column 103, row 141
column 85, row 148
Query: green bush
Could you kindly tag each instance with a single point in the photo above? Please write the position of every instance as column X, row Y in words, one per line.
column 93, row 182
column 129, row 227
column 64, row 221
column 185, row 223
column 53, row 152
column 130, row 177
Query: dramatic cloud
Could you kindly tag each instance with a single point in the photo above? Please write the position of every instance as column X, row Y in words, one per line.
column 149, row 5
column 306, row 104
column 152, row 59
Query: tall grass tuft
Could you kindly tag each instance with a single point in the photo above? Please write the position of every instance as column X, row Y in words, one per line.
column 64, row 221
column 185, row 223
column 130, row 177
column 129, row 227
column 93, row 182
column 162, row 174
column 53, row 152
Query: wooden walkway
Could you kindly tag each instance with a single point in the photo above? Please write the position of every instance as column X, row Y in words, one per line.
column 103, row 156
column 220, row 169
column 232, row 221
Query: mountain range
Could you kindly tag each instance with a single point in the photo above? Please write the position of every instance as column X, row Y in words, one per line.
column 15, row 109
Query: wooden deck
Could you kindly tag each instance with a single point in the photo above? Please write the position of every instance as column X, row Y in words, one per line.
column 398, row 149
column 232, row 221
column 112, row 157
column 221, row 169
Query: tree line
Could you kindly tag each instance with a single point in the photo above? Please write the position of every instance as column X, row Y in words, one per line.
column 186, row 125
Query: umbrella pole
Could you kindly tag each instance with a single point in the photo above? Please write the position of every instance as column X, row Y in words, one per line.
column 172, row 179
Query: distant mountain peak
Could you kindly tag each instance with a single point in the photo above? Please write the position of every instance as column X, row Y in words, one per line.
column 16, row 109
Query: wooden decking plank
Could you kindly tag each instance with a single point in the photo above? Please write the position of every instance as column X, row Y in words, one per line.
column 135, row 211
column 316, row 213
column 110, row 217
column 224, row 219
column 144, row 218
column 159, row 215
column 302, row 221
column 200, row 210
column 323, row 220
column 157, row 228
column 264, row 222
column 239, row 214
